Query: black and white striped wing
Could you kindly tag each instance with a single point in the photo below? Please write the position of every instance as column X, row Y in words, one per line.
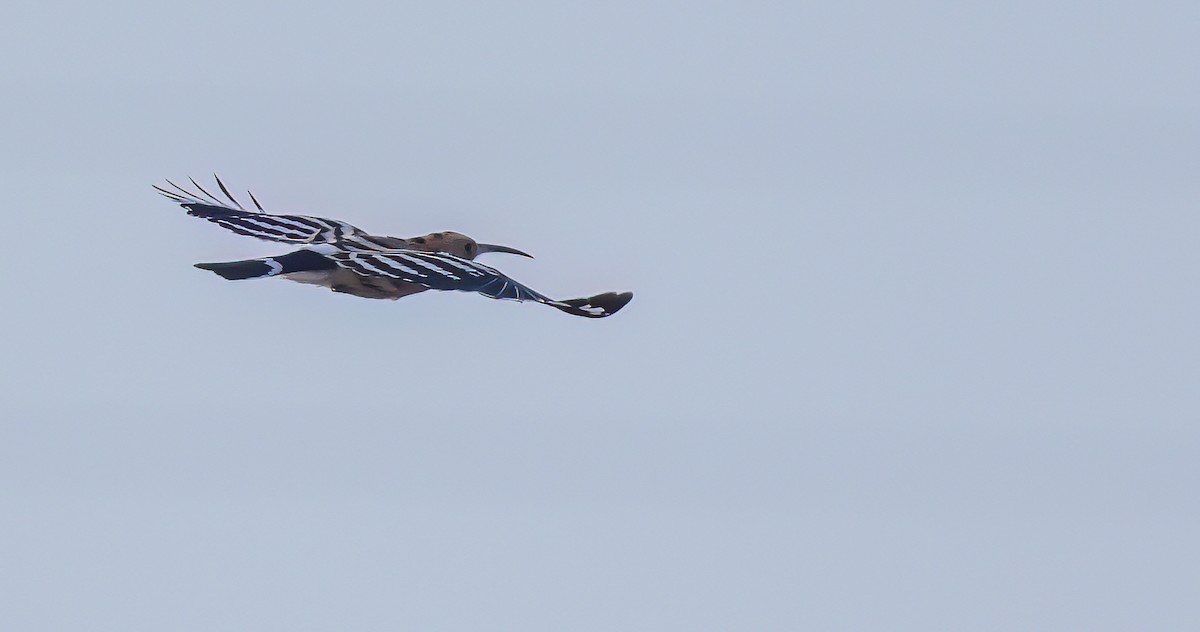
column 436, row 271
column 440, row 271
column 289, row 229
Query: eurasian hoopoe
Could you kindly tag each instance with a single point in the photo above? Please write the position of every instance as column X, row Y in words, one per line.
column 346, row 259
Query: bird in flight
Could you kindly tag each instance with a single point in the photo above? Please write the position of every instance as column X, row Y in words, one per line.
column 349, row 260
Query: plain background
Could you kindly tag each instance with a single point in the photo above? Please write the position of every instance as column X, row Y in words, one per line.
column 913, row 345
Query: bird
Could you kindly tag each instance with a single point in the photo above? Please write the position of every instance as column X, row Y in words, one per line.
column 348, row 260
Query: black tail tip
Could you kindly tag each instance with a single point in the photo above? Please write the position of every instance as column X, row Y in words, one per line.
column 238, row 270
column 598, row 306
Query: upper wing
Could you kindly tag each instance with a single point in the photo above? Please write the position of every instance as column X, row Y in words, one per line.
column 289, row 229
column 440, row 271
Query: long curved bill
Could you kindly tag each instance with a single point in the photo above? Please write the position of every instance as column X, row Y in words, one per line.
column 494, row 248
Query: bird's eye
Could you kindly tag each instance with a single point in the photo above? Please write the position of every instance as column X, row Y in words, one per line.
column 470, row 247
column 418, row 240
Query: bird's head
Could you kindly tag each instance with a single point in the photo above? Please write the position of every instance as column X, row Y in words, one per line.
column 457, row 244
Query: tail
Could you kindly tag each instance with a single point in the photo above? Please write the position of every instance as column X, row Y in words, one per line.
column 597, row 306
column 248, row 269
column 299, row 261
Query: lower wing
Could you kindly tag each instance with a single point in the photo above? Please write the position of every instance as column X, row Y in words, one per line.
column 440, row 271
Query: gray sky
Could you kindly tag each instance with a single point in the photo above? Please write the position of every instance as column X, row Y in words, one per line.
column 913, row 345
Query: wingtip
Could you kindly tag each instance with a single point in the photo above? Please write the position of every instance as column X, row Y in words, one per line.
column 598, row 306
column 615, row 300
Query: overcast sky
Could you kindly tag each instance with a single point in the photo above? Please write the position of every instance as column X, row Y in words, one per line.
column 913, row 344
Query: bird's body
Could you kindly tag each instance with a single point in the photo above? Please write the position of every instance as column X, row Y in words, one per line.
column 348, row 260
column 348, row 282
